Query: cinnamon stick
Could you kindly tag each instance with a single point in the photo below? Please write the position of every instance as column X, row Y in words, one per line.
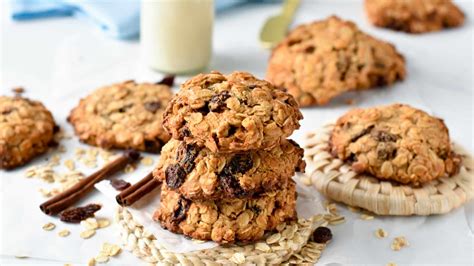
column 67, row 198
column 137, row 191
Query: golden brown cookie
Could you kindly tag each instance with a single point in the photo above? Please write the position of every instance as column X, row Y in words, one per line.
column 198, row 174
column 231, row 113
column 321, row 60
column 26, row 130
column 228, row 220
column 414, row 16
column 395, row 142
column 123, row 115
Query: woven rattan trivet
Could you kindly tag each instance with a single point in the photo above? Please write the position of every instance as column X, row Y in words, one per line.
column 290, row 245
column 335, row 179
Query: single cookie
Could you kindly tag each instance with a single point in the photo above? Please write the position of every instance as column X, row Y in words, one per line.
column 124, row 115
column 26, row 130
column 228, row 220
column 415, row 16
column 231, row 113
column 319, row 61
column 395, row 142
column 198, row 174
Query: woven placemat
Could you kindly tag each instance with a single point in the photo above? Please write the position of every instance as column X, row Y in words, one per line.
column 335, row 179
column 290, row 245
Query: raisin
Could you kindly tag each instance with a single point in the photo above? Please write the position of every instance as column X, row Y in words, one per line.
column 309, row 49
column 187, row 153
column 386, row 151
column 119, row 184
column 184, row 132
column 230, row 185
column 255, row 209
column 78, row 214
column 152, row 106
column 7, row 111
column 232, row 130
column 180, row 213
column 124, row 108
column 204, row 110
column 133, row 155
column 384, row 136
column 322, row 235
column 18, row 90
column 362, row 133
column 153, row 146
column 217, row 103
column 167, row 80
column 239, row 164
column 175, row 176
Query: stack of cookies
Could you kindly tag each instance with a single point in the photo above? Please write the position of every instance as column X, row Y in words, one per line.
column 227, row 171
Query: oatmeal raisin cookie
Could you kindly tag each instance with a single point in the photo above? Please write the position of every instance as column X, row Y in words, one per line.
column 124, row 115
column 228, row 220
column 198, row 174
column 26, row 130
column 321, row 60
column 231, row 113
column 414, row 16
column 395, row 142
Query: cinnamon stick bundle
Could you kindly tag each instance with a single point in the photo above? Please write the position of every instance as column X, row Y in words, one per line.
column 67, row 198
column 133, row 193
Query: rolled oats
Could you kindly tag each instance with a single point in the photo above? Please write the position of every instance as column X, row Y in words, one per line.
column 64, row 233
column 380, row 233
column 49, row 227
column 87, row 234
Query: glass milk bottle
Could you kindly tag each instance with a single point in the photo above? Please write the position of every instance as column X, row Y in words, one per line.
column 176, row 35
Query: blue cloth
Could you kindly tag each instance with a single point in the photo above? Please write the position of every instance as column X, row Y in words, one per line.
column 119, row 18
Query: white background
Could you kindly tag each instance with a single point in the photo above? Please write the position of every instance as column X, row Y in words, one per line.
column 60, row 60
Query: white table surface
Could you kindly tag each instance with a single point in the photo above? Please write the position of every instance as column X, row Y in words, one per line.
column 59, row 60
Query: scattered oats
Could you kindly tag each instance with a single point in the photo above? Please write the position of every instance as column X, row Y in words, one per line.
column 391, row 264
column 79, row 152
column 90, row 224
column 54, row 160
column 331, row 208
column 87, row 234
column 30, row 172
column 45, row 192
column 366, row 217
column 103, row 222
column 64, row 233
column 238, row 258
column 110, row 249
column 398, row 243
column 70, row 164
column 380, row 233
column 91, row 262
column 101, row 258
column 49, row 226
column 306, row 180
column 147, row 161
column 262, row 247
column 197, row 241
column 129, row 168
column 335, row 220
column 90, row 164
column 317, row 218
column 21, row 256
column 273, row 238
column 67, row 264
